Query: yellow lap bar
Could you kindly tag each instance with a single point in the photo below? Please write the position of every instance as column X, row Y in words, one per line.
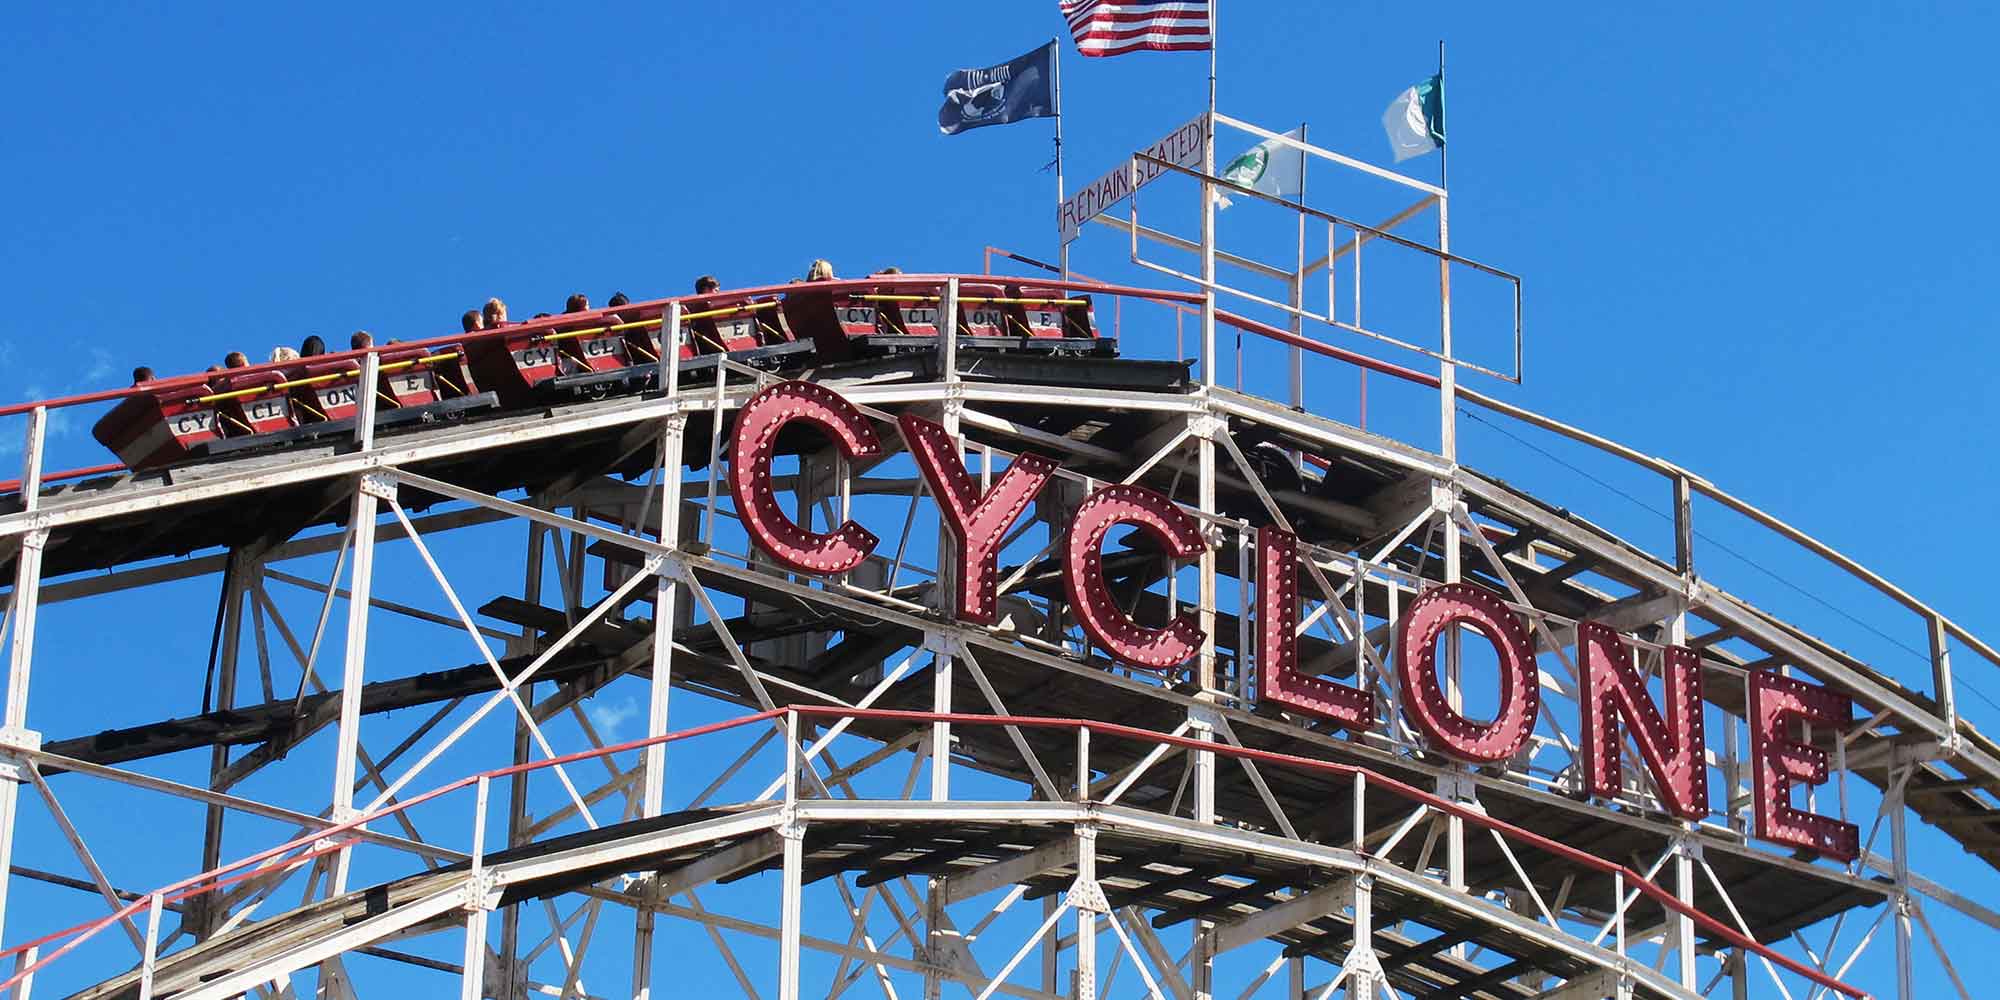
column 732, row 310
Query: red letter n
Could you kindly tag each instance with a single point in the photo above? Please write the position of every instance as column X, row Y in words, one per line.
column 1672, row 748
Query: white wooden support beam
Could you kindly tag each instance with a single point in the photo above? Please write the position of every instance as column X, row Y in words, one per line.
column 666, row 595
column 15, row 733
column 721, row 864
column 1086, row 916
column 1593, row 986
column 1016, row 869
column 1156, row 952
column 327, row 947
column 367, row 491
column 472, row 977
column 1329, row 898
column 790, row 917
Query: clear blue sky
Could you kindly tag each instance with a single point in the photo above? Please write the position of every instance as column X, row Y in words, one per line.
column 1756, row 241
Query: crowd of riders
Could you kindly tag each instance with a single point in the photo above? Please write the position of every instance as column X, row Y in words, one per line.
column 491, row 316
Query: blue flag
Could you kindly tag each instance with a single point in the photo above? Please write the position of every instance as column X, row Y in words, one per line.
column 1019, row 88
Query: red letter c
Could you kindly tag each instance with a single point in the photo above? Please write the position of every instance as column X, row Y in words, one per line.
column 757, row 427
column 1083, row 575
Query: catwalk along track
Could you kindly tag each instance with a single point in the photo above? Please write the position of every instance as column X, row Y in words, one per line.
column 1010, row 661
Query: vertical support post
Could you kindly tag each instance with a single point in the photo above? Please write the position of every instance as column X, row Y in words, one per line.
column 1051, row 946
column 1363, row 977
column 1298, row 284
column 1457, row 786
column 933, row 950
column 1202, row 960
column 21, row 642
column 666, row 594
column 472, row 979
column 25, row 989
column 1684, row 943
column 1739, row 974
column 1246, row 543
column 349, row 741
column 669, row 380
column 364, row 400
column 31, row 458
column 1684, row 529
column 1209, row 367
column 1686, row 848
column 1618, row 910
column 642, row 955
column 1899, row 848
column 20, row 655
column 243, row 568
column 513, row 977
column 948, row 327
column 794, row 836
column 1445, row 497
column 147, row 961
column 941, row 654
column 1204, row 760
column 1732, row 772
column 1086, row 917
column 1941, row 684
column 941, row 670
column 1448, row 367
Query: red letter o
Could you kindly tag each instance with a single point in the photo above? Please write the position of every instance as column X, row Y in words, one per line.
column 1451, row 733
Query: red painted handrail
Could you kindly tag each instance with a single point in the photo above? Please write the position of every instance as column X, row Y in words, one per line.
column 647, row 308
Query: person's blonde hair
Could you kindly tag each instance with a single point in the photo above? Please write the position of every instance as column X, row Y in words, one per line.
column 495, row 312
column 821, row 270
column 284, row 354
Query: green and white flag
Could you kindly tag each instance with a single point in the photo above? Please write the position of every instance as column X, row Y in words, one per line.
column 1415, row 119
column 1270, row 167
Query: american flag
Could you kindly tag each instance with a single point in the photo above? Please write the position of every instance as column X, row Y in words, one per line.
column 1115, row 27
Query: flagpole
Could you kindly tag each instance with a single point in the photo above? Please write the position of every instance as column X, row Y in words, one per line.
column 1214, row 37
column 1444, row 154
column 1209, row 360
column 1063, row 250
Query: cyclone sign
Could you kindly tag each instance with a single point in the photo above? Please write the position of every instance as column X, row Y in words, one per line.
column 1785, row 712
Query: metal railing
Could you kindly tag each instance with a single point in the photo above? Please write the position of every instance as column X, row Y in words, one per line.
column 1629, row 884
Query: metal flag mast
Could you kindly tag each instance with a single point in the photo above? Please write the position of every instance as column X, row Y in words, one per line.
column 1444, row 155
column 1055, row 60
column 1208, row 208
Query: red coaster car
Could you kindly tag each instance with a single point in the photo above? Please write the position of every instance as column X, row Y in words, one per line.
column 159, row 428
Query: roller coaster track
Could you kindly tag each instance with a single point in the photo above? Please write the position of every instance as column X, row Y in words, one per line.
column 1277, row 837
